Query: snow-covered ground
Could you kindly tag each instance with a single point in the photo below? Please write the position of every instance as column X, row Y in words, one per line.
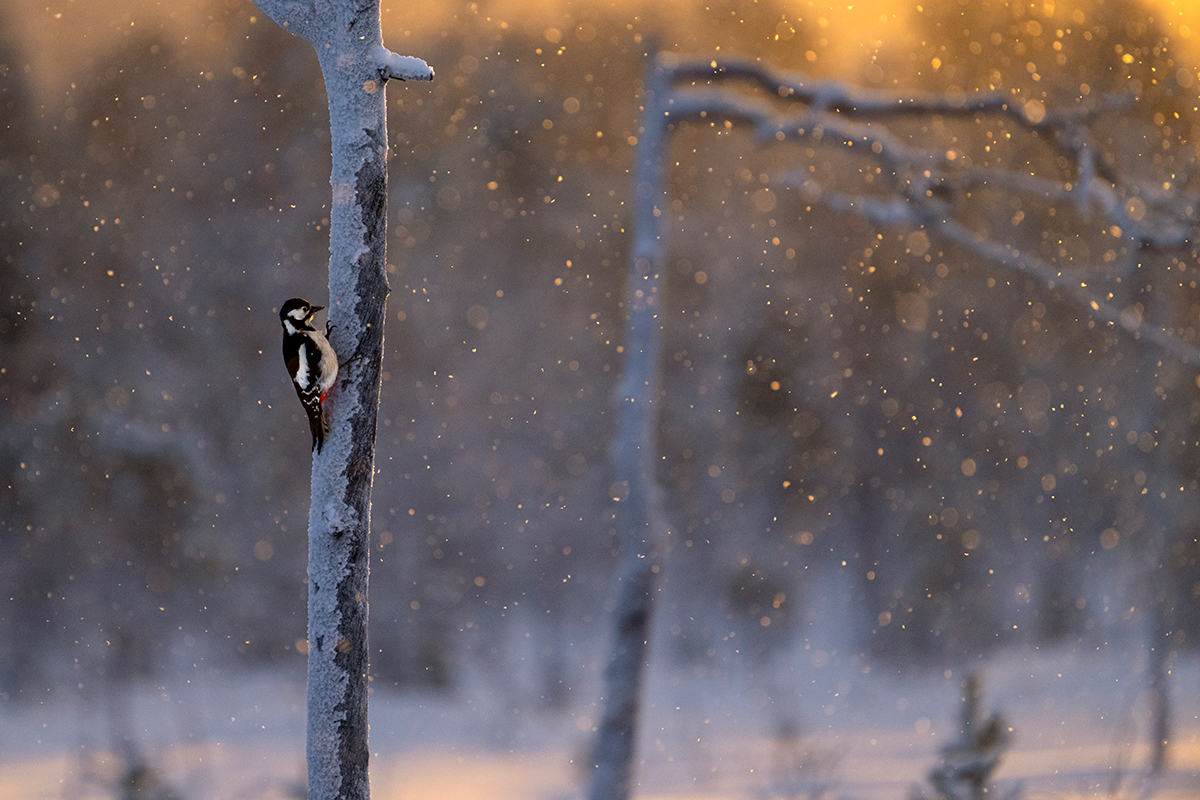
column 853, row 731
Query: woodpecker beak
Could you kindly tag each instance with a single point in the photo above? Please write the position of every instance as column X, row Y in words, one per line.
column 312, row 311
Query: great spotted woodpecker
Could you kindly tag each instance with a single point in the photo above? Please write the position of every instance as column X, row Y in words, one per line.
column 310, row 361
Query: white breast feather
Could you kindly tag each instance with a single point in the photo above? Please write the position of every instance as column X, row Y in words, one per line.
column 329, row 366
column 302, row 370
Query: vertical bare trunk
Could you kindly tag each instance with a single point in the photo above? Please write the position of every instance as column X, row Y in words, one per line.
column 1151, row 512
column 349, row 45
column 639, row 517
column 339, row 517
column 1160, row 685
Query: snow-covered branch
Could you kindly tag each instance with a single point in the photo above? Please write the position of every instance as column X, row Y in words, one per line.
column 926, row 182
column 836, row 97
column 402, row 68
column 902, row 212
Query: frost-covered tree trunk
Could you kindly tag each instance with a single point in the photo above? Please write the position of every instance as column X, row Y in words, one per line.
column 347, row 37
column 639, row 515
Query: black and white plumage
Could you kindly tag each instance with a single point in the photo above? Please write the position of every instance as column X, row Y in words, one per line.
column 311, row 363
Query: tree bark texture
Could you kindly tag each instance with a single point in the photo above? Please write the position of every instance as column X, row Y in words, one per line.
column 347, row 37
column 639, row 516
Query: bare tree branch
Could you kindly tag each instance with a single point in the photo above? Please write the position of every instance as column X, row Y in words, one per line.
column 404, row 68
column 838, row 98
column 1141, row 216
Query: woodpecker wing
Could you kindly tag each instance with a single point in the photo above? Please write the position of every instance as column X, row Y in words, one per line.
column 293, row 363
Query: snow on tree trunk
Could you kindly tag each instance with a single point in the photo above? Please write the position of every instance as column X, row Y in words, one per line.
column 348, row 40
column 639, row 515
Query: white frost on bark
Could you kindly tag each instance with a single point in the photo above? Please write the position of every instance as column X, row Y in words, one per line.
column 404, row 68
column 348, row 41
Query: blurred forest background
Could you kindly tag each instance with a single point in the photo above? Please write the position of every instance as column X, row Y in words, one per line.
column 876, row 445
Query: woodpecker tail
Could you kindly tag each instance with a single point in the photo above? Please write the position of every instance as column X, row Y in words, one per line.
column 316, row 419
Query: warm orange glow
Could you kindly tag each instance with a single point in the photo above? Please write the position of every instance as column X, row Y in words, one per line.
column 846, row 40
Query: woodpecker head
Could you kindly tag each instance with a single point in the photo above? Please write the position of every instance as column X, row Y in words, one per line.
column 296, row 314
